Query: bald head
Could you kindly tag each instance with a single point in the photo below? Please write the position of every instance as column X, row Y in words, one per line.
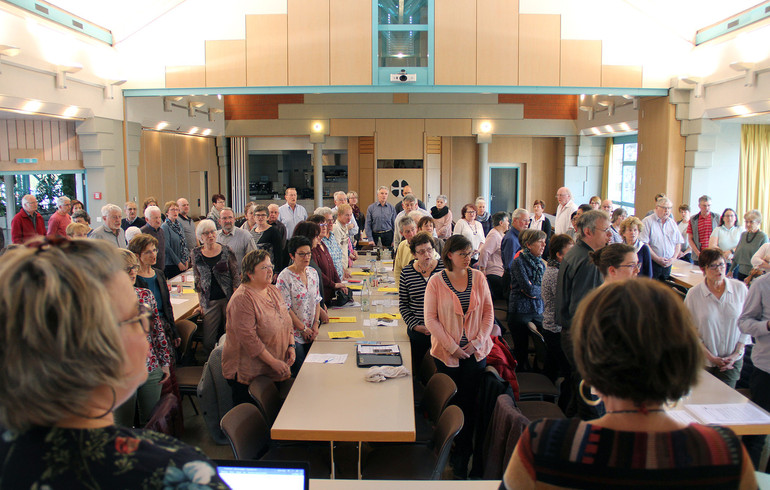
column 563, row 195
column 272, row 217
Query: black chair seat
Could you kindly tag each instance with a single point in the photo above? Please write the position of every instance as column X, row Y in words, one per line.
column 536, row 386
column 399, row 462
column 534, row 410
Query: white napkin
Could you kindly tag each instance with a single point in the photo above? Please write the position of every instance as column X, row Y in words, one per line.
column 375, row 374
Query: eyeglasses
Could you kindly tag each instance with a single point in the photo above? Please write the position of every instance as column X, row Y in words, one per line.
column 303, row 254
column 715, row 267
column 426, row 251
column 265, row 268
column 143, row 317
column 605, row 230
column 132, row 268
column 322, row 225
column 465, row 255
column 261, row 215
column 637, row 266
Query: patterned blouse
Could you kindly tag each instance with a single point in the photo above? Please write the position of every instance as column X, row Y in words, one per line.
column 158, row 355
column 227, row 273
column 336, row 253
column 110, row 457
column 301, row 299
column 570, row 453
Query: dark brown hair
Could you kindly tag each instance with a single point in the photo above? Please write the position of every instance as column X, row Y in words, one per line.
column 454, row 243
column 421, row 239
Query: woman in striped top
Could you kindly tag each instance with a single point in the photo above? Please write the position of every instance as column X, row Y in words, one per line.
column 636, row 358
column 411, row 292
column 459, row 316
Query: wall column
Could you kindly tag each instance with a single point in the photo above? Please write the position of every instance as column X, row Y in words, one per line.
column 101, row 142
column 483, row 141
column 318, row 168
column 239, row 149
column 223, row 158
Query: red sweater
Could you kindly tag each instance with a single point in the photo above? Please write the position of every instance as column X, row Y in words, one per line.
column 22, row 228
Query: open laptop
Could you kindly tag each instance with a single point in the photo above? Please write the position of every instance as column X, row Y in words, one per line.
column 264, row 475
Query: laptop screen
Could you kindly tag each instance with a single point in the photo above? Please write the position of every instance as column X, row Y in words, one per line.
column 262, row 475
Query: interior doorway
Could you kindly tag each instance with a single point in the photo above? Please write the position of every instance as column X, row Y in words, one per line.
column 504, row 187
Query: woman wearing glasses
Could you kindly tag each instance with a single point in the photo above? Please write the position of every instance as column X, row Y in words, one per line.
column 616, row 262
column 299, row 284
column 75, row 358
column 267, row 237
column 630, row 229
column 459, row 317
column 471, row 229
column 217, row 275
column 329, row 278
column 411, row 292
column 158, row 357
column 260, row 340
column 145, row 247
column 715, row 305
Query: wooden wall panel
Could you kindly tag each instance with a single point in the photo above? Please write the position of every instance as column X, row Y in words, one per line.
column 185, row 76
column 308, row 34
column 350, row 42
column 400, row 138
column 4, row 150
column 226, row 63
column 497, row 42
column 581, row 63
column 353, row 165
column 351, row 127
column 464, row 186
column 621, row 76
column 541, row 182
column 55, row 140
column 539, row 49
column 266, row 50
column 455, row 42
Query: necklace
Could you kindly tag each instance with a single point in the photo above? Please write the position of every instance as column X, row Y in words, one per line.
column 641, row 411
column 753, row 236
column 423, row 271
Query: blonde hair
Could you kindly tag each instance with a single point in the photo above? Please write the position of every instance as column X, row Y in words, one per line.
column 60, row 339
column 76, row 229
column 629, row 222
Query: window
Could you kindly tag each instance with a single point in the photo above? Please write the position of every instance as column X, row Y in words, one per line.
column 622, row 175
column 403, row 39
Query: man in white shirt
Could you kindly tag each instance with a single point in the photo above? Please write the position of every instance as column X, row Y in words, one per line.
column 237, row 239
column 564, row 211
column 290, row 213
column 661, row 233
column 341, row 198
column 410, row 204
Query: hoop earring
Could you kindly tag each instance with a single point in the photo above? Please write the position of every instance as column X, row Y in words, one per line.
column 107, row 412
column 587, row 401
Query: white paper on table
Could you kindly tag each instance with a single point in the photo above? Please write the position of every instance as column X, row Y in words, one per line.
column 178, row 301
column 349, row 304
column 176, row 279
column 729, row 413
column 327, row 358
column 377, row 349
column 677, row 274
column 682, row 416
column 371, row 322
column 385, row 302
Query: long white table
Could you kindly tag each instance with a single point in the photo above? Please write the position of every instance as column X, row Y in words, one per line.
column 189, row 300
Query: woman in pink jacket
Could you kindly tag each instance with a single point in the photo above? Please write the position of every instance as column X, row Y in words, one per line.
column 459, row 316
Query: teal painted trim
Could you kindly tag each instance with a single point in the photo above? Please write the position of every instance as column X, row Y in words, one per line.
column 393, row 88
column 383, row 78
column 760, row 12
column 622, row 140
column 402, row 27
column 64, row 18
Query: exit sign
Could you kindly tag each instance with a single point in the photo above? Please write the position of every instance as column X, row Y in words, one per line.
column 26, row 160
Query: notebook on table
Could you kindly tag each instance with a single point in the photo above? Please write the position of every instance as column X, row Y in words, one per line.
column 264, row 475
column 368, row 355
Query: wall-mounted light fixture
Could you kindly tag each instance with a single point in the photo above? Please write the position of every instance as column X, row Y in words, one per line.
column 589, row 109
column 485, row 127
column 213, row 111
column 161, row 125
column 109, row 86
column 63, row 70
column 698, row 82
column 749, row 68
column 167, row 102
column 192, row 106
column 9, row 51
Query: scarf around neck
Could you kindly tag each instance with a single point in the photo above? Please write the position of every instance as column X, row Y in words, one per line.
column 177, row 228
column 534, row 264
column 439, row 213
column 482, row 217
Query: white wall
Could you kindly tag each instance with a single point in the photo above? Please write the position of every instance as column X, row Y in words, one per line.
column 720, row 181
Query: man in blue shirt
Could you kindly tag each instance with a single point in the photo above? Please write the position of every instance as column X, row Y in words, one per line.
column 290, row 213
column 510, row 244
column 381, row 219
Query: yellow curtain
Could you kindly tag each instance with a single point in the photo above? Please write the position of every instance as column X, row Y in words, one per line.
column 606, row 170
column 754, row 178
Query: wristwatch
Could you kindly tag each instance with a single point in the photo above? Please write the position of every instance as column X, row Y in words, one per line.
column 293, row 346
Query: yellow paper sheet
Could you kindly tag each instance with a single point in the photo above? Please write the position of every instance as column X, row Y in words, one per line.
column 360, row 273
column 188, row 291
column 348, row 334
column 386, row 262
column 342, row 319
column 389, row 316
column 355, row 287
column 388, row 290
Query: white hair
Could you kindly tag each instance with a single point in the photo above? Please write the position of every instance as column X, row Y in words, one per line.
column 61, row 201
column 131, row 232
column 108, row 209
column 340, row 193
column 149, row 210
column 204, row 226
column 519, row 213
column 323, row 211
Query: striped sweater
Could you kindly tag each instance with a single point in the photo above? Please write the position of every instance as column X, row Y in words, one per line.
column 570, row 453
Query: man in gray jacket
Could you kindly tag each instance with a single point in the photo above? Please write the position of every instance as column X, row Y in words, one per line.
column 188, row 225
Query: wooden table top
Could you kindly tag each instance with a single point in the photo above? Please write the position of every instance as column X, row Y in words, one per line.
column 333, row 402
column 185, row 309
column 686, row 274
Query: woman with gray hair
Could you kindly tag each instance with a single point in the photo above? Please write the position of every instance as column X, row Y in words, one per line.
column 216, row 277
column 443, row 216
column 748, row 245
column 75, row 358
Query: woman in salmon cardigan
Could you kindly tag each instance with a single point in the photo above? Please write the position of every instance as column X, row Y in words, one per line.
column 460, row 316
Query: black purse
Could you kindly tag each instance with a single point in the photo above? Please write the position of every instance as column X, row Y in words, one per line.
column 341, row 298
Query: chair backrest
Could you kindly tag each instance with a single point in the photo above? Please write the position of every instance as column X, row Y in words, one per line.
column 214, row 395
column 438, row 393
column 246, row 430
column 427, row 368
column 161, row 414
column 449, row 425
column 264, row 392
column 186, row 329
